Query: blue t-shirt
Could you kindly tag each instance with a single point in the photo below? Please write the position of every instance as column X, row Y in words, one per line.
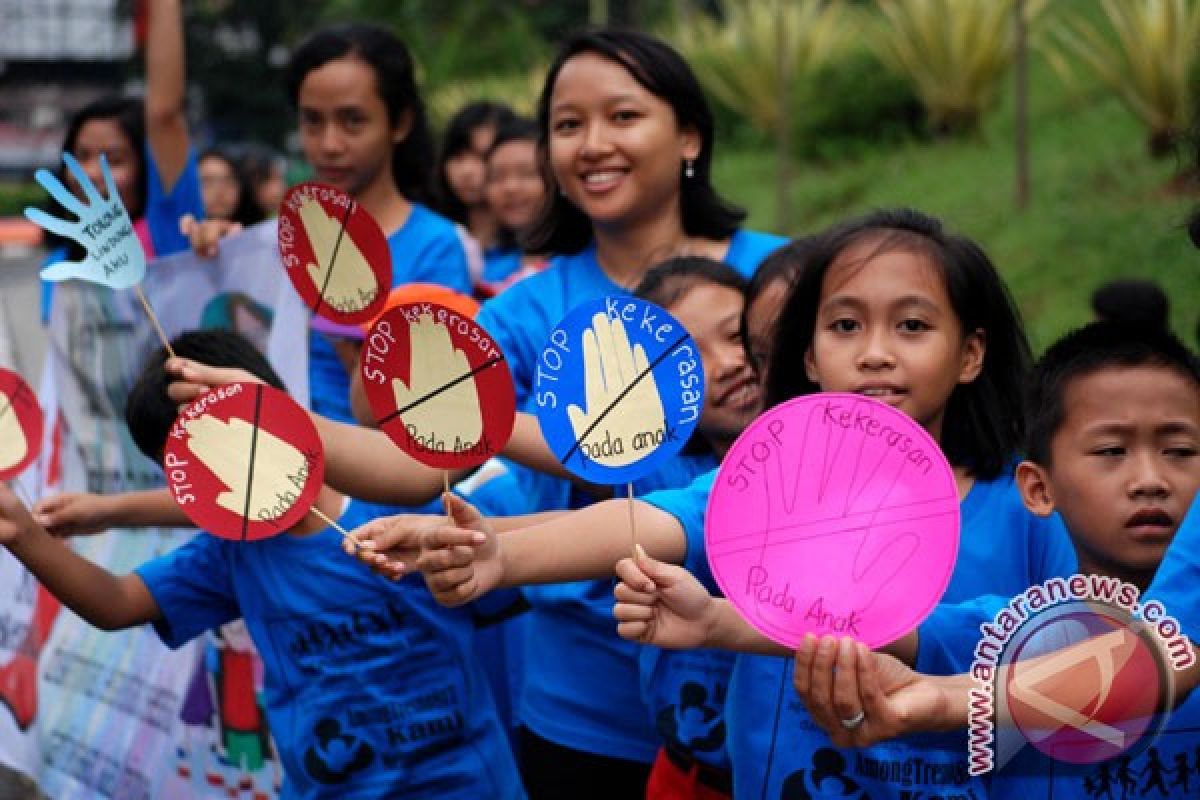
column 372, row 689
column 779, row 752
column 685, row 690
column 582, row 689
column 426, row 249
column 162, row 213
column 499, row 263
column 1177, row 583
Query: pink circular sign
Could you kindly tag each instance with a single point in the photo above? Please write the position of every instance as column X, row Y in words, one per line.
column 833, row 514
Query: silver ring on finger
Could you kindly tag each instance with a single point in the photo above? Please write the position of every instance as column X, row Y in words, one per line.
column 853, row 722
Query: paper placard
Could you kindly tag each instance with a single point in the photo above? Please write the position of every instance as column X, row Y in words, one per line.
column 335, row 253
column 20, row 425
column 244, row 462
column 114, row 255
column 833, row 514
column 619, row 389
column 438, row 385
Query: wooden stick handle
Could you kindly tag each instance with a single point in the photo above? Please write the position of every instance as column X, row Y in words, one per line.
column 137, row 287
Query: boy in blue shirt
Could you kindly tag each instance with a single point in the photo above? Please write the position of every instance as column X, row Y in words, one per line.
column 1114, row 447
column 372, row 690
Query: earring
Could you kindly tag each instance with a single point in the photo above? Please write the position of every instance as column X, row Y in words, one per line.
column 689, row 170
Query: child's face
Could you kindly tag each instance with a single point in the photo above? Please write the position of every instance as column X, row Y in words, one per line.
column 514, row 188
column 886, row 329
column 465, row 170
column 104, row 137
column 712, row 315
column 344, row 126
column 218, row 187
column 1125, row 465
column 616, row 148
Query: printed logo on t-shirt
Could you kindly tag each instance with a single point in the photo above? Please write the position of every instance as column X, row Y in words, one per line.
column 696, row 722
column 336, row 754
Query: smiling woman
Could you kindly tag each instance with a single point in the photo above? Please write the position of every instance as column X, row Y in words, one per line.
column 625, row 140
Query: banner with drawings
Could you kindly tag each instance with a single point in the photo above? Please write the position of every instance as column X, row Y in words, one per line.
column 87, row 713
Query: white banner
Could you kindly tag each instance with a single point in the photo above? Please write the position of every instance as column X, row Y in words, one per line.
column 92, row 714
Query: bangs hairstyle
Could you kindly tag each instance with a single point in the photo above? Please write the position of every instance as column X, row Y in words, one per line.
column 782, row 265
column 395, row 83
column 129, row 114
column 457, row 140
column 563, row 228
column 150, row 412
column 983, row 427
column 1101, row 345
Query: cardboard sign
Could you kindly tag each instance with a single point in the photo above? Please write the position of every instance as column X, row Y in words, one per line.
column 438, row 385
column 619, row 389
column 114, row 255
column 833, row 513
column 334, row 253
column 244, row 462
column 20, row 425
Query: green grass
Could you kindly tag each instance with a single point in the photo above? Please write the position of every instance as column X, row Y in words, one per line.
column 1098, row 209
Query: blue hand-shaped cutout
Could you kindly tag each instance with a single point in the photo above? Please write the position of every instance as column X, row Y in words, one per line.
column 114, row 254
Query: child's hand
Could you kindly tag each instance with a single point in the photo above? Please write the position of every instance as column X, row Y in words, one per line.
column 661, row 604
column 838, row 680
column 193, row 379
column 461, row 563
column 391, row 545
column 74, row 513
column 15, row 521
column 204, row 235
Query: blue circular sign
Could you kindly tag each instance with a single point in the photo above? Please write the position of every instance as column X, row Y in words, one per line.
column 619, row 389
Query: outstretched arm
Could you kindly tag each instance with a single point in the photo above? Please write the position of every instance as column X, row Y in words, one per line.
column 464, row 562
column 166, row 121
column 108, row 601
column 83, row 513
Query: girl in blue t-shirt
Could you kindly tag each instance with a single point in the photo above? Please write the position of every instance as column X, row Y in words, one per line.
column 626, row 140
column 363, row 130
column 891, row 306
column 514, row 189
column 460, row 176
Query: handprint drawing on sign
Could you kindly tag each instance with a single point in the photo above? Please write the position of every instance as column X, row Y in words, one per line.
column 263, row 474
column 13, row 446
column 623, row 406
column 104, row 229
column 439, row 405
column 344, row 279
column 834, row 503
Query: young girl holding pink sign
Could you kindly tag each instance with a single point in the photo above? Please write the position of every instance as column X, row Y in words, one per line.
column 890, row 306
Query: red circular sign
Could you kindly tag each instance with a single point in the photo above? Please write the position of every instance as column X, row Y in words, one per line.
column 20, row 425
column 438, row 385
column 334, row 253
column 244, row 462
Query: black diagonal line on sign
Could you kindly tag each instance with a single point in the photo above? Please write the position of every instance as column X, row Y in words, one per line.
column 253, row 446
column 7, row 405
column 333, row 256
column 658, row 360
column 443, row 388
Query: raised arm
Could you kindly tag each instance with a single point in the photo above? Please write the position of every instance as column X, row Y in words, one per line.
column 166, row 120
column 108, row 601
